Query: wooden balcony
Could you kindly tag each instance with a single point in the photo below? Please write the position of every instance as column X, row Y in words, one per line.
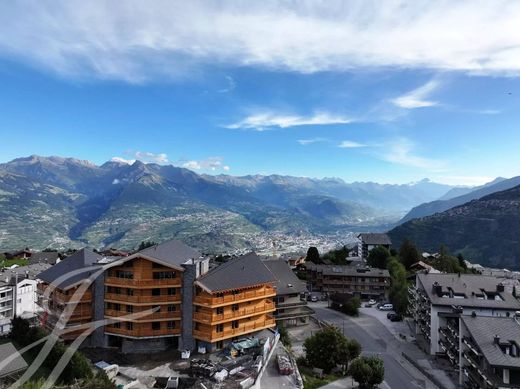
column 62, row 298
column 143, row 284
column 214, row 318
column 143, row 300
column 142, row 332
column 246, row 328
column 156, row 316
column 227, row 299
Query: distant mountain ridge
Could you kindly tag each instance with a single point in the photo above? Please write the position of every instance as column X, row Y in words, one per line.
column 441, row 205
column 485, row 231
column 63, row 202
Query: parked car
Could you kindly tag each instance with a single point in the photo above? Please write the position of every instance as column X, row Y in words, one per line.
column 394, row 317
column 314, row 299
column 372, row 302
column 386, row 307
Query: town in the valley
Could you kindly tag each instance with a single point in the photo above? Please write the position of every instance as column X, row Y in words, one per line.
column 167, row 316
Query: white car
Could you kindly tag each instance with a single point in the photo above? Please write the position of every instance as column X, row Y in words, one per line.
column 386, row 307
column 372, row 302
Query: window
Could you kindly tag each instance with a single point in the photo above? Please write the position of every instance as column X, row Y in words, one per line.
column 129, row 309
column 234, row 307
column 157, row 265
column 234, row 324
column 171, row 325
column 197, row 326
column 171, row 308
column 117, row 290
column 156, row 292
column 129, row 325
column 220, row 310
column 163, row 275
column 171, row 291
column 129, row 292
column 117, row 325
column 220, row 294
column 117, row 307
column 108, row 305
column 156, row 325
column 124, row 274
column 220, row 327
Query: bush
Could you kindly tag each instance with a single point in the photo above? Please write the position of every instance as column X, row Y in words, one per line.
column 284, row 336
column 351, row 308
column 367, row 371
column 378, row 257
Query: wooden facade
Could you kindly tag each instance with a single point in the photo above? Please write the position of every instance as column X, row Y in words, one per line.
column 140, row 285
column 225, row 315
column 58, row 301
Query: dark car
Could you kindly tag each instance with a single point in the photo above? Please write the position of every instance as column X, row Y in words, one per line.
column 394, row 317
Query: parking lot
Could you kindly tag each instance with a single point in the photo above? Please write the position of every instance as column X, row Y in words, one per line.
column 395, row 327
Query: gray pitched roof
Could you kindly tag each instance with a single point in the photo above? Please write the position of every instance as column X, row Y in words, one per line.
column 483, row 330
column 469, row 285
column 8, row 276
column 375, row 238
column 245, row 271
column 16, row 365
column 80, row 259
column 286, row 280
column 173, row 251
column 346, row 270
column 49, row 257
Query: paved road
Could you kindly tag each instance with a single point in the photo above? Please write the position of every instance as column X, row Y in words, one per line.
column 375, row 339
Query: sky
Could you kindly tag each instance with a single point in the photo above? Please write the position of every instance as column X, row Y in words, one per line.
column 389, row 91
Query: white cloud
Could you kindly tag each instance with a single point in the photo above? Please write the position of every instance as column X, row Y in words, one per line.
column 115, row 181
column 122, row 160
column 348, row 144
column 210, row 163
column 417, row 98
column 139, row 41
column 146, row 156
column 402, row 152
column 268, row 120
column 305, row 142
column 463, row 180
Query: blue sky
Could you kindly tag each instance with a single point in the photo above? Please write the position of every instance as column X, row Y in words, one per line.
column 356, row 90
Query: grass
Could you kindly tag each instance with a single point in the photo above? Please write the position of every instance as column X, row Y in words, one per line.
column 310, row 381
column 11, row 262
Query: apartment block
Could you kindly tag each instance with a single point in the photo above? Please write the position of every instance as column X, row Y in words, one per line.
column 437, row 301
column 363, row 282
column 232, row 301
column 290, row 309
column 367, row 241
column 158, row 298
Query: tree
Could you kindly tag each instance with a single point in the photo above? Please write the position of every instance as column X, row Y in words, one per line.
column 408, row 254
column 367, row 371
column 144, row 244
column 329, row 348
column 284, row 336
column 338, row 256
column 313, row 255
column 351, row 307
column 378, row 257
column 19, row 330
column 399, row 286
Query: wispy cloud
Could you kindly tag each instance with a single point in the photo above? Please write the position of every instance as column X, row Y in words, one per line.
column 348, row 144
column 231, row 85
column 403, row 151
column 417, row 98
column 139, row 41
column 463, row 180
column 210, row 163
column 306, row 142
column 269, row 120
column 146, row 156
column 122, row 160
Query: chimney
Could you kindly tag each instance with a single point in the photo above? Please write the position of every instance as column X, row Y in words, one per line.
column 500, row 288
column 437, row 289
column 496, row 339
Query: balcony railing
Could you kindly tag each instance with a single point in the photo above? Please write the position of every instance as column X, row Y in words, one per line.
column 215, row 318
column 175, row 315
column 138, row 299
column 142, row 332
column 243, row 329
column 149, row 283
column 233, row 298
column 62, row 298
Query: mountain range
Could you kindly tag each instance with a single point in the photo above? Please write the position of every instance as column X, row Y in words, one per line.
column 64, row 202
column 484, row 230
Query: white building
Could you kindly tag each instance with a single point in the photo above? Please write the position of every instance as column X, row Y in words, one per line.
column 18, row 293
column 436, row 299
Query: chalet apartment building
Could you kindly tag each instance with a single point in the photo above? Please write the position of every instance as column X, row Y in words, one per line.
column 368, row 241
column 360, row 281
column 438, row 302
column 160, row 297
